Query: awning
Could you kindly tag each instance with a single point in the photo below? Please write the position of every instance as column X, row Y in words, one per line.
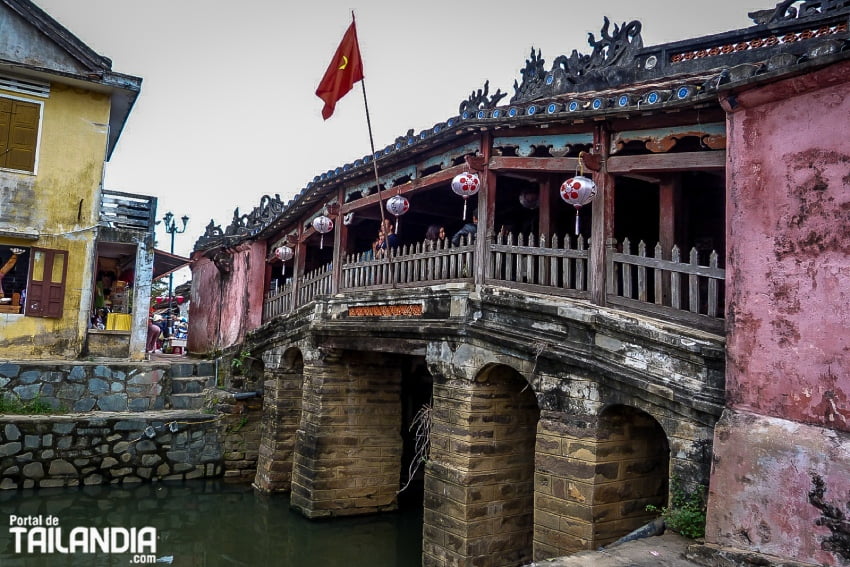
column 165, row 263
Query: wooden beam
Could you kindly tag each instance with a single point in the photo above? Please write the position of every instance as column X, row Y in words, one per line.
column 420, row 184
column 675, row 162
column 501, row 163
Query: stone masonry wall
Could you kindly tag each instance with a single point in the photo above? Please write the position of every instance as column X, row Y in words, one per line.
column 281, row 416
column 479, row 490
column 348, row 446
column 240, row 431
column 87, row 386
column 107, row 448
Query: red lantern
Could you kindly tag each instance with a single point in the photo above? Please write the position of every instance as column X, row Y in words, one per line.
column 466, row 185
column 578, row 191
column 322, row 225
column 397, row 206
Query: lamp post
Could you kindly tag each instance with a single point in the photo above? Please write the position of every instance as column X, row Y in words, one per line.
column 171, row 228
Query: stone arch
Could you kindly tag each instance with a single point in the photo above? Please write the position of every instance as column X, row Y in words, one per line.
column 632, row 471
column 283, row 390
column 480, row 475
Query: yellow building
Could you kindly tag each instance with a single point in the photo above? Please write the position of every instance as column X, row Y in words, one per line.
column 62, row 110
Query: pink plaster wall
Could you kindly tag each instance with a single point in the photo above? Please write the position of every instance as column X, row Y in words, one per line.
column 226, row 305
column 788, row 342
column 762, row 482
column 788, row 282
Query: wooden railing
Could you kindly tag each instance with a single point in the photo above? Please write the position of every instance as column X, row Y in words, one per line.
column 667, row 287
column 127, row 210
column 277, row 301
column 410, row 265
column 314, row 283
column 541, row 264
column 681, row 291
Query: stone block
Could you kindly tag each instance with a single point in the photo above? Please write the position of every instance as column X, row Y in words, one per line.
column 33, row 471
column 113, row 402
column 11, row 432
column 8, row 449
column 98, row 386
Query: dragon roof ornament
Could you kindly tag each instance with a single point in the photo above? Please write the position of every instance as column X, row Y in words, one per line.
column 790, row 10
column 611, row 52
column 481, row 99
column 245, row 224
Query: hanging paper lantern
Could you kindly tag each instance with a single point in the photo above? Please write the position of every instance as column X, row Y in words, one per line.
column 529, row 199
column 397, row 206
column 466, row 185
column 284, row 253
column 322, row 225
column 578, row 191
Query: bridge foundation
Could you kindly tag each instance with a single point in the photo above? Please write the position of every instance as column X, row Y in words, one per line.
column 348, row 445
column 283, row 390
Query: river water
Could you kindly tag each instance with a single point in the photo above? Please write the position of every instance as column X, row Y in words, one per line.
column 198, row 524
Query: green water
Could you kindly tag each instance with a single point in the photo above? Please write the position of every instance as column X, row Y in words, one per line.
column 208, row 524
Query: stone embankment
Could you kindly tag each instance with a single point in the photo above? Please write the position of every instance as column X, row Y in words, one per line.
column 131, row 423
column 107, row 447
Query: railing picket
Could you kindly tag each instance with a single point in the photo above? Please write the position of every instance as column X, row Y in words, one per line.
column 659, row 278
column 693, row 284
column 509, row 260
column 712, row 287
column 627, row 270
column 675, row 282
column 641, row 273
column 581, row 265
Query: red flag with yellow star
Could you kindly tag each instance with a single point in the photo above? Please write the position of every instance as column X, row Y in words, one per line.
column 345, row 69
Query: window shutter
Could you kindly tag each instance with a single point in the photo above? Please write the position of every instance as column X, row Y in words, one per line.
column 18, row 134
column 46, row 285
column 5, row 122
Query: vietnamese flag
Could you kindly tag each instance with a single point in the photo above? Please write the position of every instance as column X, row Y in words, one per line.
column 345, row 69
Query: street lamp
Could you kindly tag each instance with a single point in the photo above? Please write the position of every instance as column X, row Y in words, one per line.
column 171, row 228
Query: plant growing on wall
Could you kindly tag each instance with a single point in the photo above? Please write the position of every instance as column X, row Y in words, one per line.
column 422, row 446
column 238, row 362
column 686, row 513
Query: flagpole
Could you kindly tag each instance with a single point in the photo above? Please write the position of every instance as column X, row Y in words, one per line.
column 374, row 159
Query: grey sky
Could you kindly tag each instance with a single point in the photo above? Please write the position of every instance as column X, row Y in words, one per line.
column 228, row 113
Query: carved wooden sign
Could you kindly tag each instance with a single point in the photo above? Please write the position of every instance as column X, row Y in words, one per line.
column 406, row 310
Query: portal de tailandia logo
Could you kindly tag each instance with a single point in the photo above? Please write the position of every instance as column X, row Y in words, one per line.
column 43, row 534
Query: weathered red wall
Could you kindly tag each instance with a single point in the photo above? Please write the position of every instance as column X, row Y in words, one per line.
column 786, row 426
column 789, row 255
column 232, row 301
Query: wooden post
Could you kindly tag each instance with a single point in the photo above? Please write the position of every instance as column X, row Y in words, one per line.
column 486, row 212
column 669, row 197
column 340, row 244
column 602, row 231
column 298, row 267
column 545, row 207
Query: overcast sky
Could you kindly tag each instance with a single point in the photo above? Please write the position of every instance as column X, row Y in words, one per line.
column 228, row 112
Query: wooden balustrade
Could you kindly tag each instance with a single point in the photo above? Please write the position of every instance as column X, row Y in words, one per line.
column 314, row 283
column 278, row 301
column 540, row 264
column 686, row 290
column 410, row 265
